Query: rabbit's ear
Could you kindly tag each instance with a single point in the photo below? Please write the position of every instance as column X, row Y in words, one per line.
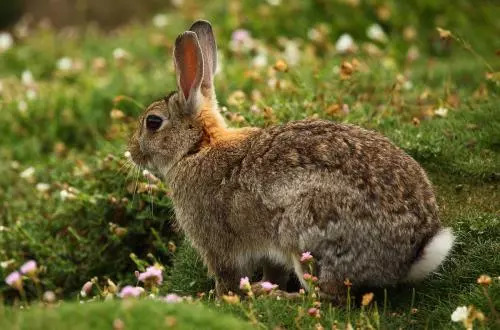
column 188, row 60
column 205, row 35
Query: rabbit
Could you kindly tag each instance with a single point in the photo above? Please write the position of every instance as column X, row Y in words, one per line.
column 252, row 197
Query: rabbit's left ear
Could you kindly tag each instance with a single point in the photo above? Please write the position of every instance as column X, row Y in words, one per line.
column 206, row 38
column 188, row 60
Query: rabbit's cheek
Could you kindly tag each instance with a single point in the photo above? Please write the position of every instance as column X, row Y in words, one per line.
column 146, row 145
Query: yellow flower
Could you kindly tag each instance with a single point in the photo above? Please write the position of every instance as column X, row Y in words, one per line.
column 281, row 66
column 367, row 299
column 232, row 300
column 484, row 280
column 444, row 34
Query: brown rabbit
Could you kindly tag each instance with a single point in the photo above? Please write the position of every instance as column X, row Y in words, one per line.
column 249, row 197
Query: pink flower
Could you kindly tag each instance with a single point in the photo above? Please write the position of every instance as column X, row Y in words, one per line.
column 245, row 284
column 29, row 267
column 131, row 292
column 172, row 298
column 86, row 289
column 307, row 276
column 306, row 257
column 268, row 286
column 314, row 312
column 14, row 280
column 241, row 41
column 152, row 275
column 240, row 35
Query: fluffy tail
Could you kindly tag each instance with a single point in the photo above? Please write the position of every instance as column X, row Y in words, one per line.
column 433, row 255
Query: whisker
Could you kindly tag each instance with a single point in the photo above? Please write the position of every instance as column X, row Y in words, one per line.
column 150, row 192
column 136, row 170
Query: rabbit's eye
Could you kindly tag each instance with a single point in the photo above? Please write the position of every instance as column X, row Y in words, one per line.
column 153, row 123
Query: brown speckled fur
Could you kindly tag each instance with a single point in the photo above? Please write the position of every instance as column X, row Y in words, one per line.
column 249, row 197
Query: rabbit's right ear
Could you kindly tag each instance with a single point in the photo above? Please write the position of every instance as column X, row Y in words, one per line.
column 188, row 60
column 205, row 35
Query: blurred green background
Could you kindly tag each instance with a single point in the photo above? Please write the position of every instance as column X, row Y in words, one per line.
column 75, row 75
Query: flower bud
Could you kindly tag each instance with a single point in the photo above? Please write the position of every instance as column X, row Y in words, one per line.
column 86, row 289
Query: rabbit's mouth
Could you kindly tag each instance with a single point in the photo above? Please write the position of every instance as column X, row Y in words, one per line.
column 137, row 156
column 141, row 160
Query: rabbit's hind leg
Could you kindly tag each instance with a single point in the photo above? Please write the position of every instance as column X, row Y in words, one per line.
column 331, row 286
column 333, row 289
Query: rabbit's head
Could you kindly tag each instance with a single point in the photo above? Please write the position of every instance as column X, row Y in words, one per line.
column 179, row 124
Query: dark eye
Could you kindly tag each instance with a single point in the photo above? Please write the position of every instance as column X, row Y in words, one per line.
column 153, row 123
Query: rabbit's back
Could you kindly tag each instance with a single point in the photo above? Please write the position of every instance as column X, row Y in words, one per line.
column 367, row 162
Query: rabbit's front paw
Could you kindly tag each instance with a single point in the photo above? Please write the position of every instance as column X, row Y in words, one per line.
column 227, row 281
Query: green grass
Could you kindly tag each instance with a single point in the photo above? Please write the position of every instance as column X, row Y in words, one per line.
column 145, row 314
column 113, row 226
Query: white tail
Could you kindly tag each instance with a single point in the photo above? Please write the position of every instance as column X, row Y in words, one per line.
column 433, row 255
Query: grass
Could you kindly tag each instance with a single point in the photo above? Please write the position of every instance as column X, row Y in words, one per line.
column 129, row 314
column 95, row 216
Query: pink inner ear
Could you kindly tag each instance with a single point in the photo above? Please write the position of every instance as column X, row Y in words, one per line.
column 189, row 63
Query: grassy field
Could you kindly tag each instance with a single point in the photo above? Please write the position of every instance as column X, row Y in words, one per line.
column 69, row 199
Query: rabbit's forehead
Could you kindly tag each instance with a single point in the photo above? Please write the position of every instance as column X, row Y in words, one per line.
column 167, row 104
column 159, row 108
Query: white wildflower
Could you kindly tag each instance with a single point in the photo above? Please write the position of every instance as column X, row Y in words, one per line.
column 407, row 85
column 160, row 20
column 63, row 194
column 6, row 41
column 27, row 173
column 7, row 263
column 260, row 60
column 375, row 32
column 73, row 190
column 272, row 82
column 177, row 3
column 314, row 35
column 66, row 195
column 27, row 78
column 22, row 106
column 345, row 43
column 120, row 54
column 460, row 314
column 441, row 112
column 292, row 53
column 274, row 2
column 64, row 64
column 42, row 187
column 127, row 154
column 49, row 297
